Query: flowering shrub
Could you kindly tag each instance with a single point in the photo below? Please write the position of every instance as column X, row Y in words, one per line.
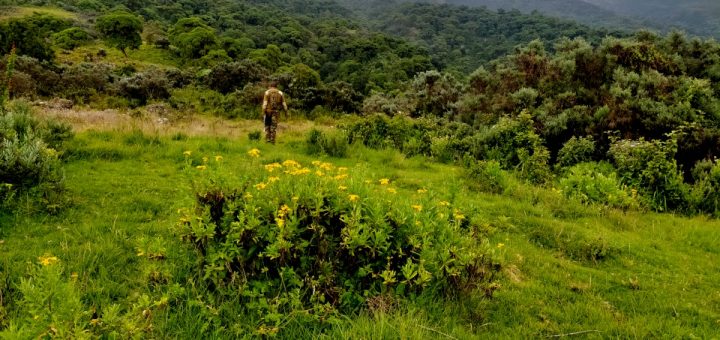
column 307, row 241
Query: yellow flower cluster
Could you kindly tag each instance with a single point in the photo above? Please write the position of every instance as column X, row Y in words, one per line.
column 260, row 186
column 272, row 166
column 255, row 153
column 47, row 260
column 302, row 171
column 417, row 207
column 291, row 164
column 281, row 214
column 353, row 198
column 458, row 216
column 384, row 181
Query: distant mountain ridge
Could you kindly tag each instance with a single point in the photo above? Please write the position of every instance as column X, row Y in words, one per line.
column 699, row 17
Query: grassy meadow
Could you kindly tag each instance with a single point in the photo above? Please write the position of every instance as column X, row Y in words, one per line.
column 112, row 263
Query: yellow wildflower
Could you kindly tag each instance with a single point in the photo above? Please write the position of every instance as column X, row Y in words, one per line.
column 187, row 153
column 501, row 245
column 254, row 153
column 95, row 321
column 295, row 198
column 353, row 198
column 417, row 207
column 421, row 191
column 291, row 164
column 342, row 169
column 260, row 186
column 326, row 166
column 285, row 209
column 367, row 181
column 201, row 167
column 316, row 163
column 74, row 276
column 342, row 188
column 340, row 177
column 319, row 173
column 384, row 181
column 458, row 216
column 218, row 158
column 273, row 179
column 280, row 222
column 444, row 203
column 205, row 159
column 248, row 195
column 271, row 167
column 47, row 260
column 392, row 190
column 302, row 171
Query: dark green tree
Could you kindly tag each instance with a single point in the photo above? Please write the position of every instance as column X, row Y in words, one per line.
column 120, row 30
column 29, row 35
column 71, row 38
column 193, row 38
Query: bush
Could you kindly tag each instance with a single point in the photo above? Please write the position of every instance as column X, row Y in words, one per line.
column 228, row 77
column 534, row 165
column 255, row 135
column 576, row 150
column 705, row 193
column 440, row 150
column 145, row 86
column 81, row 81
column 487, row 176
column 27, row 163
column 71, row 38
column 650, row 167
column 303, row 243
column 332, row 144
column 597, row 183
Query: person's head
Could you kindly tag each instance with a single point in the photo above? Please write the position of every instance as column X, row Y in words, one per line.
column 273, row 83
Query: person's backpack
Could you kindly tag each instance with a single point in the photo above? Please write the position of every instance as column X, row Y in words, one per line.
column 275, row 100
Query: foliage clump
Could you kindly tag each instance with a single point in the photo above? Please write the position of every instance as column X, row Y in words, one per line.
column 29, row 158
column 307, row 242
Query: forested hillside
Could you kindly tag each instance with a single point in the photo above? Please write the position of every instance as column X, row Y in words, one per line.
column 694, row 16
column 461, row 39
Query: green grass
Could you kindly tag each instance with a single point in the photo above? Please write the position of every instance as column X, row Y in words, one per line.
column 565, row 267
column 9, row 12
column 143, row 57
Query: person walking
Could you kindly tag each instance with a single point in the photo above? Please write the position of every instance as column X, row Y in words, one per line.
column 273, row 102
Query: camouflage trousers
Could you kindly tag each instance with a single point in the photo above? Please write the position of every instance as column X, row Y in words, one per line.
column 271, row 124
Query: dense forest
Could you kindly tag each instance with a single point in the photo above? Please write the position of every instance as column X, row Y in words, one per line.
column 694, row 16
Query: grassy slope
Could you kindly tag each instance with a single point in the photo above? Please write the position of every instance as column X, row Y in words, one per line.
column 659, row 277
column 143, row 57
column 7, row 12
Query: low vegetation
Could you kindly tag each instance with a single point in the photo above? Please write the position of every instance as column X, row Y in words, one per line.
column 557, row 190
